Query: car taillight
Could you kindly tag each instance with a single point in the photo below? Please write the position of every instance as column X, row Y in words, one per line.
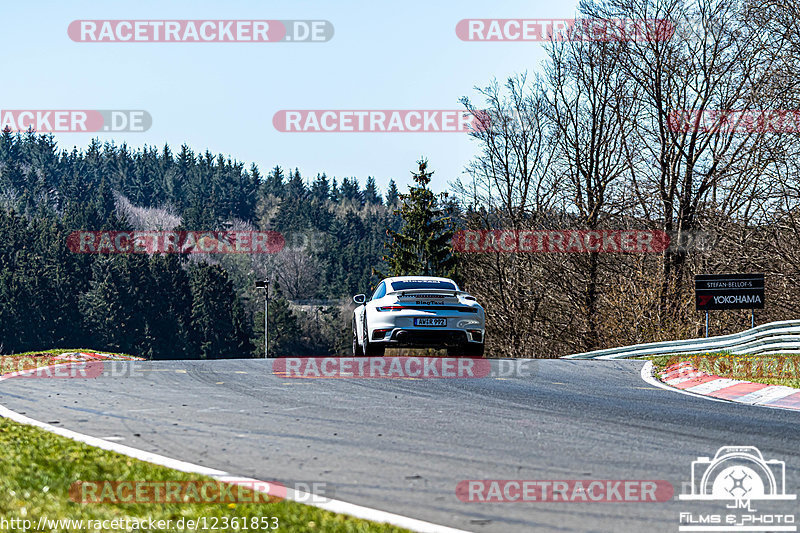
column 391, row 308
column 379, row 334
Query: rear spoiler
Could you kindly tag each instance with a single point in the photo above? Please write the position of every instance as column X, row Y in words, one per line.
column 448, row 292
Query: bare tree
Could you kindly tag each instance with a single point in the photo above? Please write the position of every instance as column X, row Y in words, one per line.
column 145, row 218
column 510, row 186
column 716, row 60
column 297, row 272
column 511, row 174
column 631, row 133
column 591, row 104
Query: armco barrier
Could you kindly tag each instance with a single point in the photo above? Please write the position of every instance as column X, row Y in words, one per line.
column 775, row 337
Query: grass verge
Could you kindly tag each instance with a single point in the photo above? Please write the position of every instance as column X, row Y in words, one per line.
column 779, row 369
column 39, row 467
column 59, row 351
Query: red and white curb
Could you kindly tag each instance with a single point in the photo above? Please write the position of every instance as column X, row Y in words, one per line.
column 335, row 506
column 65, row 365
column 686, row 378
column 95, row 356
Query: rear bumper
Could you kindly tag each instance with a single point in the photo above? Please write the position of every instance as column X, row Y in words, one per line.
column 429, row 338
column 398, row 328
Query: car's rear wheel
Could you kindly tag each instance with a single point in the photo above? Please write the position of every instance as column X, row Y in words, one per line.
column 375, row 350
column 357, row 351
column 370, row 349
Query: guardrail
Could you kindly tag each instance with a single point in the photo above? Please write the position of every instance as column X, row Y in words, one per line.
column 775, row 337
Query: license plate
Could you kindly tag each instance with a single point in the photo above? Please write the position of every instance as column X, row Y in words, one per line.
column 430, row 322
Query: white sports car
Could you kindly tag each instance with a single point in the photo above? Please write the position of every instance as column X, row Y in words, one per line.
column 419, row 312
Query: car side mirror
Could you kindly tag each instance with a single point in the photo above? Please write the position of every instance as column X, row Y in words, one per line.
column 360, row 298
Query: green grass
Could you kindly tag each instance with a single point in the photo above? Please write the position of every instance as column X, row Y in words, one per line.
column 59, row 351
column 37, row 469
column 780, row 369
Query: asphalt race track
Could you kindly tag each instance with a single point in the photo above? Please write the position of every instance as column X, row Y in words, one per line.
column 403, row 445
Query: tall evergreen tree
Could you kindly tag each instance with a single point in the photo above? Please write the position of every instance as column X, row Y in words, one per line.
column 370, row 194
column 274, row 182
column 321, row 189
column 107, row 305
column 422, row 246
column 294, row 214
column 349, row 191
column 335, row 194
column 170, row 317
column 217, row 323
column 392, row 195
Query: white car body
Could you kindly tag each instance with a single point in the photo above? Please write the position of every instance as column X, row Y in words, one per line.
column 421, row 312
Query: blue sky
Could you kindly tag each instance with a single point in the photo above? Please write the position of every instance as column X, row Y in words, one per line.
column 222, row 96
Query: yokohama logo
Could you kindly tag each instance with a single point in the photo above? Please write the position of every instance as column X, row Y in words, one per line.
column 703, row 299
column 739, row 299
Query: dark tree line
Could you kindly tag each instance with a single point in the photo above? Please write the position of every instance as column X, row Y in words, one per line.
column 174, row 306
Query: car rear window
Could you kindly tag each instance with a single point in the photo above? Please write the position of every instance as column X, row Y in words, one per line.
column 423, row 284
